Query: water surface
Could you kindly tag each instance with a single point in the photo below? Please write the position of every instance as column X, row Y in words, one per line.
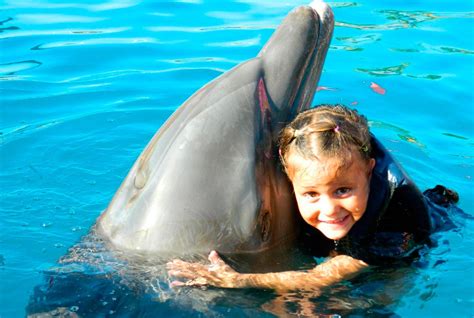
column 84, row 86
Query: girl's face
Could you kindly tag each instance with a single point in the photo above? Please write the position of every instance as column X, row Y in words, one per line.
column 331, row 197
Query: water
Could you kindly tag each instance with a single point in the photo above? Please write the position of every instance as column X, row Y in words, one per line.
column 84, row 86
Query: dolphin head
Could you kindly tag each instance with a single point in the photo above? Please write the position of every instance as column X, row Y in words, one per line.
column 299, row 48
column 210, row 177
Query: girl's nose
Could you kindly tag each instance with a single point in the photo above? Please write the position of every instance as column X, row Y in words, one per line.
column 328, row 207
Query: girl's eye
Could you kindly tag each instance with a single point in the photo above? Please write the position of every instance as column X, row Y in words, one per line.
column 343, row 191
column 310, row 195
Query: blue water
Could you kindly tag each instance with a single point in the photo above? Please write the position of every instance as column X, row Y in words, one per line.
column 85, row 84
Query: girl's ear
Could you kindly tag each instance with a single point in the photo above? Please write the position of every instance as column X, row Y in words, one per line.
column 371, row 165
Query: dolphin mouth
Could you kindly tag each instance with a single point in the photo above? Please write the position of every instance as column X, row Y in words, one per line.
column 313, row 72
column 293, row 58
column 320, row 7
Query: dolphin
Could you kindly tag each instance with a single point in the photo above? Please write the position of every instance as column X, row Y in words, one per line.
column 210, row 177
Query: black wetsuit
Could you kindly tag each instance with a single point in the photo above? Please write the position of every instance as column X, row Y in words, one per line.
column 399, row 218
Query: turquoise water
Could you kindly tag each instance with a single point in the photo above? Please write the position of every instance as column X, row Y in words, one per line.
column 84, row 86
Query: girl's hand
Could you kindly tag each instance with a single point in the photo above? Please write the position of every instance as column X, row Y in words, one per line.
column 218, row 273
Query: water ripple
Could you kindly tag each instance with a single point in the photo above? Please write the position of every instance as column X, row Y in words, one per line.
column 366, row 38
column 25, row 130
column 88, row 86
column 108, row 5
column 161, row 14
column 405, row 50
column 252, row 26
column 346, row 48
column 344, row 4
column 405, row 19
column 189, row 1
column 127, row 72
column 399, row 70
column 446, row 49
column 241, row 43
column 429, row 76
column 356, row 40
column 402, row 133
column 380, row 27
column 437, row 49
column 12, row 68
column 101, row 41
column 409, row 19
column 11, row 134
column 385, row 71
column 455, row 136
column 34, row 33
column 206, row 59
column 12, row 28
column 224, row 15
column 54, row 19
column 6, row 20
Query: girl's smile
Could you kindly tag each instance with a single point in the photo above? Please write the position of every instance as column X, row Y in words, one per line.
column 337, row 221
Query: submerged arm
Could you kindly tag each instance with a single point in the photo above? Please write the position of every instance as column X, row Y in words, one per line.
column 334, row 270
column 220, row 274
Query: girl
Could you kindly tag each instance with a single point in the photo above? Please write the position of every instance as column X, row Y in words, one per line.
column 349, row 188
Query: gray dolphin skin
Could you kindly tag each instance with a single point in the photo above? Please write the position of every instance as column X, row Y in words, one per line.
column 210, row 178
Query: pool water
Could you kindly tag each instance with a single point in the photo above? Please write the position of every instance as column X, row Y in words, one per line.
column 84, row 85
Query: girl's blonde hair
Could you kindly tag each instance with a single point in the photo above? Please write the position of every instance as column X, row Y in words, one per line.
column 327, row 131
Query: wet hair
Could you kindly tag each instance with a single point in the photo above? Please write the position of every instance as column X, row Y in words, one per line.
column 332, row 131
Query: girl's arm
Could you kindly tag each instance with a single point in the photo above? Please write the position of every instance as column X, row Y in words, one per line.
column 219, row 274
